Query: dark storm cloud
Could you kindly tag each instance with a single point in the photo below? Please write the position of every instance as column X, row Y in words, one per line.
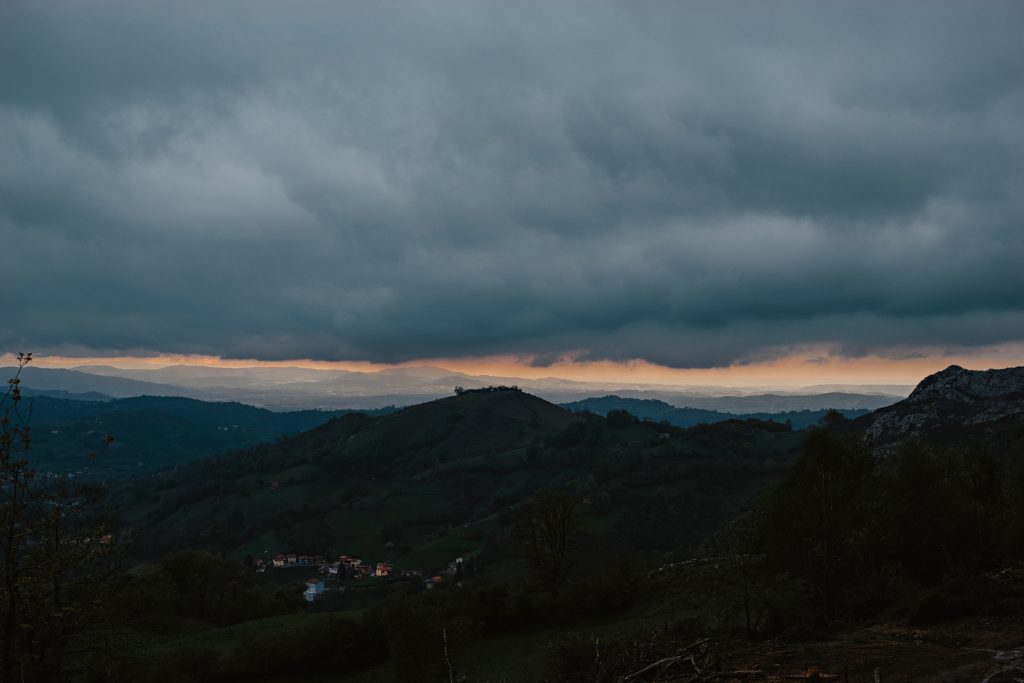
column 693, row 184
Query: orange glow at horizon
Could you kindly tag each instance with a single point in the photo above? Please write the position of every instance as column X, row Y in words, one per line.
column 796, row 369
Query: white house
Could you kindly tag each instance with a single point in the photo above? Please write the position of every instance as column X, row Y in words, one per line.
column 314, row 589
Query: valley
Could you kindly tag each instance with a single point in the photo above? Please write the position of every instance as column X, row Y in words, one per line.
column 546, row 543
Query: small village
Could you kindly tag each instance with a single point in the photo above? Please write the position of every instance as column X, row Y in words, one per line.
column 330, row 573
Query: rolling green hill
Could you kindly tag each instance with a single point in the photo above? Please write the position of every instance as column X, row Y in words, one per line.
column 441, row 479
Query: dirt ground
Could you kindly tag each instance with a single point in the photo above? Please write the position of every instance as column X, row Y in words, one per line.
column 985, row 651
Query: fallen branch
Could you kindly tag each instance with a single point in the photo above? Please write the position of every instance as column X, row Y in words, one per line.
column 661, row 664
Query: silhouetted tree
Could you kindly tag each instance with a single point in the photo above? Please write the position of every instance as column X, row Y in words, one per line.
column 55, row 547
column 550, row 534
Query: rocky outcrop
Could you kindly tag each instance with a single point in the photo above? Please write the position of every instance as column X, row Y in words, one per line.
column 954, row 397
column 968, row 386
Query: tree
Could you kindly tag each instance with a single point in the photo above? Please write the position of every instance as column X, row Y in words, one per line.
column 550, row 534
column 931, row 525
column 617, row 419
column 55, row 547
column 813, row 517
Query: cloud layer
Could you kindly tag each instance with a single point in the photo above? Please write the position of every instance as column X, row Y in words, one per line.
column 694, row 184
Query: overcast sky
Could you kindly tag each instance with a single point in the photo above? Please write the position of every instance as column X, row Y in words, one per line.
column 692, row 184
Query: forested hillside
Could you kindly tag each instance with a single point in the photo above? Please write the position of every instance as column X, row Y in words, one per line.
column 150, row 432
column 450, row 473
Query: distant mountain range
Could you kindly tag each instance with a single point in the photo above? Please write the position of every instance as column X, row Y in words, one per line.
column 72, row 410
column 77, row 382
column 658, row 411
column 156, row 432
column 289, row 388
